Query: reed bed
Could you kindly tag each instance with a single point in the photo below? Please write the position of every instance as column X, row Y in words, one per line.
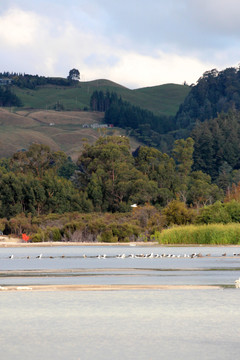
column 211, row 234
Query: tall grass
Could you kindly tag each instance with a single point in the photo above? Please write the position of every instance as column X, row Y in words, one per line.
column 212, row 234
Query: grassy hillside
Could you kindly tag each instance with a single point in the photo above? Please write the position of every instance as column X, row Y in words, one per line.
column 21, row 128
column 162, row 100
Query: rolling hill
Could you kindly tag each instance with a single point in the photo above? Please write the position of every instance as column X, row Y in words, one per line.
column 37, row 121
column 60, row 130
column 161, row 100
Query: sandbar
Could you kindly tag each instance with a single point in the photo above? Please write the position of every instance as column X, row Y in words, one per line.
column 107, row 287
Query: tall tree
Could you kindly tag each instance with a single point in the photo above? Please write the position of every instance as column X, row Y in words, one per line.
column 183, row 155
column 108, row 174
column 74, row 75
column 37, row 159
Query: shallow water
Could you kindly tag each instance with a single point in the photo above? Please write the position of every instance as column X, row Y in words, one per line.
column 168, row 324
column 80, row 265
column 133, row 324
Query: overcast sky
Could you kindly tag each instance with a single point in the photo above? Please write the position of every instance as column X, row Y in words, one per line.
column 136, row 43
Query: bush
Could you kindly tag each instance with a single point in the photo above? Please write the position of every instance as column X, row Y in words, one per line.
column 125, row 232
column 38, row 237
column 54, row 234
column 107, row 236
column 212, row 214
column 176, row 212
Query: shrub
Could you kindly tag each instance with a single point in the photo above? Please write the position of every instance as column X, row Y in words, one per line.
column 107, row 236
column 55, row 234
column 176, row 212
column 38, row 237
column 216, row 213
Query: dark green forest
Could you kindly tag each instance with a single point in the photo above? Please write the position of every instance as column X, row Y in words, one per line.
column 106, row 178
column 8, row 98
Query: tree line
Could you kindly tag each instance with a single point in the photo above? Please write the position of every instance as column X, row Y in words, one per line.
column 215, row 92
column 32, row 81
column 8, row 98
column 140, row 123
column 106, row 178
column 43, row 193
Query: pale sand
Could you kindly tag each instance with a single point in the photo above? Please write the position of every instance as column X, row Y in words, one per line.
column 6, row 241
column 106, row 287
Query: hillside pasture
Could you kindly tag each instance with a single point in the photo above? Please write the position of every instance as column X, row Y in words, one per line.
column 161, row 100
column 60, row 130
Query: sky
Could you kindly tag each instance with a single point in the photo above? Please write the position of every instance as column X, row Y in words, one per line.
column 136, row 43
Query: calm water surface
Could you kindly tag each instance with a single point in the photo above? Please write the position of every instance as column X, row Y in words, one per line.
column 80, row 265
column 168, row 324
column 114, row 325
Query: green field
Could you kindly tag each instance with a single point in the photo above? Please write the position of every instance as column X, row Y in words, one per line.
column 162, row 99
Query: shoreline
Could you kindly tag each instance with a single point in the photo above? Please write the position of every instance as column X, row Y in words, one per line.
column 6, row 242
column 19, row 243
column 107, row 287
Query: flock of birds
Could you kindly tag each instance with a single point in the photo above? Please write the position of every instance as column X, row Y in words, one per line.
column 136, row 256
column 131, row 256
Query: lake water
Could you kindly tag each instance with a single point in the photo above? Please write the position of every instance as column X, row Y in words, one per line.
column 81, row 265
column 133, row 324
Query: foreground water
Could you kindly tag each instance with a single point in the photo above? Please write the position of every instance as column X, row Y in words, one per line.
column 166, row 324
column 183, row 325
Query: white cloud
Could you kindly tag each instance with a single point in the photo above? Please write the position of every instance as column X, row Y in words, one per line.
column 139, row 70
column 154, row 42
column 18, row 27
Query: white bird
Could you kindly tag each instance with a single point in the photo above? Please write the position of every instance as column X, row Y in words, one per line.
column 134, row 205
column 237, row 283
column 11, row 257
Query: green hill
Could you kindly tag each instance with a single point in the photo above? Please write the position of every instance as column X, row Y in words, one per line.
column 22, row 126
column 161, row 100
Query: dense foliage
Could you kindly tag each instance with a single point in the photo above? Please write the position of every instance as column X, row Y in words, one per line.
column 8, row 98
column 215, row 92
column 217, row 148
column 44, row 194
column 107, row 177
